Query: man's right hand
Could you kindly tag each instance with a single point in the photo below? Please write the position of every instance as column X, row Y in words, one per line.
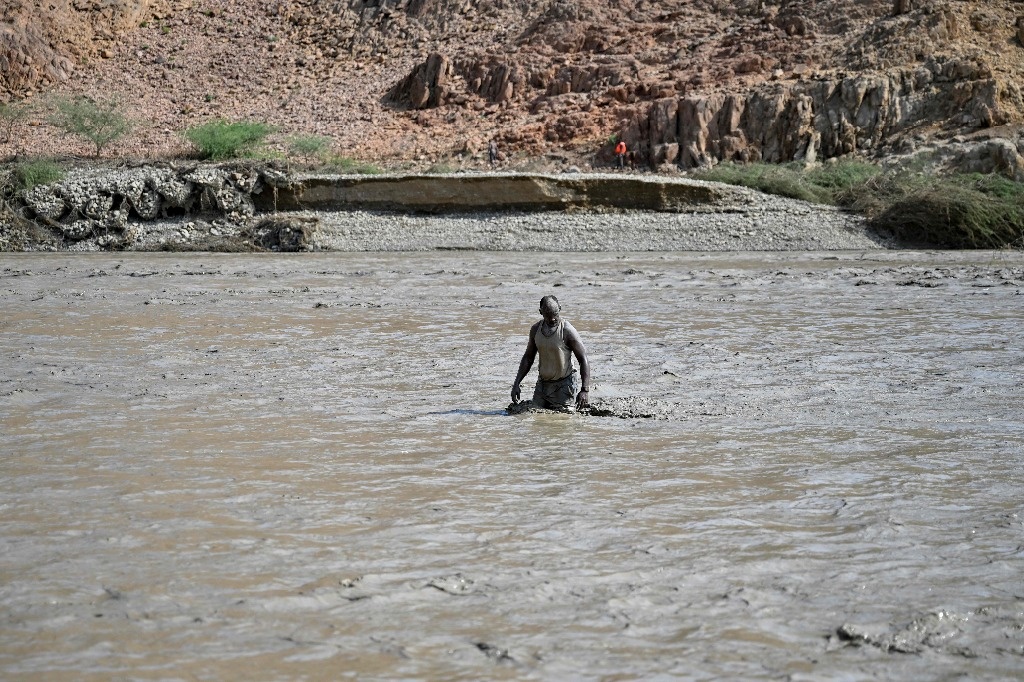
column 515, row 393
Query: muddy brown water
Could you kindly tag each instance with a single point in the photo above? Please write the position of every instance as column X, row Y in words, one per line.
column 278, row 468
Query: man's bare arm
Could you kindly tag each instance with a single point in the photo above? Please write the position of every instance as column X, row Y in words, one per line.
column 580, row 351
column 525, row 364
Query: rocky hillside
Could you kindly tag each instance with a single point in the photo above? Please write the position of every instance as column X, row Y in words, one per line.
column 684, row 82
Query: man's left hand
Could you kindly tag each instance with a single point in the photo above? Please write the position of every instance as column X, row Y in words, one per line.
column 582, row 399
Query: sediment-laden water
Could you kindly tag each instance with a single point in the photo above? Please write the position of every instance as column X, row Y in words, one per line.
column 278, row 468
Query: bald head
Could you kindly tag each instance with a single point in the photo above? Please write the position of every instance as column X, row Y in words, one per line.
column 550, row 310
column 549, row 304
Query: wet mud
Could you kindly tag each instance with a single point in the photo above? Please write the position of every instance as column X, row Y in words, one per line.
column 623, row 408
column 796, row 466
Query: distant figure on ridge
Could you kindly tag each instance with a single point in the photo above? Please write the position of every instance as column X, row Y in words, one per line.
column 492, row 152
column 558, row 385
column 620, row 153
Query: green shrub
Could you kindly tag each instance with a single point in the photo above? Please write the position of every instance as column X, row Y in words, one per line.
column 97, row 121
column 218, row 140
column 966, row 211
column 28, row 174
column 11, row 114
column 781, row 180
column 841, row 176
column 827, row 184
column 264, row 154
column 309, row 146
column 969, row 211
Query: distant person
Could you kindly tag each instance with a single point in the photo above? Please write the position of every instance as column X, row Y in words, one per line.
column 558, row 385
column 620, row 153
column 492, row 152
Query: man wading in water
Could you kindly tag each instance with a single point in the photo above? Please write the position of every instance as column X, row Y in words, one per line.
column 557, row 381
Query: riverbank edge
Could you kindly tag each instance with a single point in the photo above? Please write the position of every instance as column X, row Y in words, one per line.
column 244, row 206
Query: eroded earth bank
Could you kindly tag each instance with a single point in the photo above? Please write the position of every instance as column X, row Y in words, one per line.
column 285, row 466
column 239, row 207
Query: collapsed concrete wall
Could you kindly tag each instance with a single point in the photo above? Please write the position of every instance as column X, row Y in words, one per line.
column 526, row 192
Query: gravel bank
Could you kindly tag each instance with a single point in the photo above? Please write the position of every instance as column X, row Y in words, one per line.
column 768, row 225
column 760, row 223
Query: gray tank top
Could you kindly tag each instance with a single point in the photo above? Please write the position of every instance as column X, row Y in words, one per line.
column 555, row 355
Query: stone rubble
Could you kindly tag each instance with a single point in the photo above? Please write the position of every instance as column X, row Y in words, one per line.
column 93, row 202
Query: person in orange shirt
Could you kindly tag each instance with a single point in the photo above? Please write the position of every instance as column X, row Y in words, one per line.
column 620, row 153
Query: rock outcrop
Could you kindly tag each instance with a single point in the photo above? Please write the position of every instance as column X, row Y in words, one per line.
column 426, row 86
column 812, row 120
column 999, row 150
column 27, row 60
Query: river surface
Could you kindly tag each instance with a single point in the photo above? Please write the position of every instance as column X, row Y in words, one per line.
column 266, row 467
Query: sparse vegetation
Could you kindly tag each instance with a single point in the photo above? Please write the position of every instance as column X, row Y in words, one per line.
column 344, row 164
column 28, row 174
column 309, row 147
column 99, row 122
column 442, row 168
column 823, row 184
column 970, row 211
column 11, row 114
column 219, row 140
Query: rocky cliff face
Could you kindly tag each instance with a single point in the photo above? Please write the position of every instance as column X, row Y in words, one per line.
column 790, row 81
column 826, row 118
column 42, row 40
column 684, row 82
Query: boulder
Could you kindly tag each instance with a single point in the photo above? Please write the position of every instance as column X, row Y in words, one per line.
column 44, row 203
column 79, row 229
column 426, row 86
column 147, row 204
column 902, row 6
column 285, row 233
